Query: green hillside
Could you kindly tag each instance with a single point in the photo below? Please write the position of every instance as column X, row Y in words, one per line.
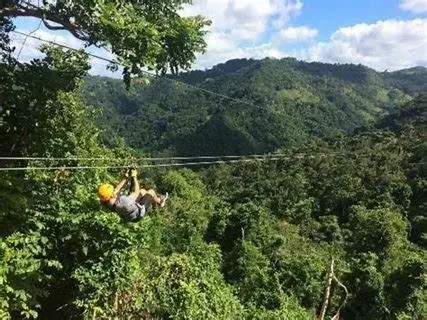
column 291, row 102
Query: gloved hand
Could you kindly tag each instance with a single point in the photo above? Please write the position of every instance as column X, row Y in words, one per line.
column 133, row 173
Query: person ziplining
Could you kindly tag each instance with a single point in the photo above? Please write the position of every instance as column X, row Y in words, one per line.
column 135, row 205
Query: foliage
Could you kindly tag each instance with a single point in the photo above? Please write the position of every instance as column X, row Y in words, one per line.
column 141, row 33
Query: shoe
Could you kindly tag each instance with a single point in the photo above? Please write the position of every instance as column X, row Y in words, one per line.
column 163, row 200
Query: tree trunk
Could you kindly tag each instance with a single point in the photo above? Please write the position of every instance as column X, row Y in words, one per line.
column 327, row 292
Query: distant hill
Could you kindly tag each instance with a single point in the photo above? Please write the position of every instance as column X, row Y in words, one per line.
column 411, row 80
column 290, row 102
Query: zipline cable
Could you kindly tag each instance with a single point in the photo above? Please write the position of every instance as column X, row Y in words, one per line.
column 166, row 158
column 143, row 71
column 26, row 37
column 161, row 165
column 149, row 159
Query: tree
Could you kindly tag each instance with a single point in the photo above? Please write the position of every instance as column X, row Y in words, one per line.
column 30, row 97
column 142, row 33
column 382, row 232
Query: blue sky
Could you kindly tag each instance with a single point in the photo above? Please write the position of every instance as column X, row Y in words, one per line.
column 382, row 34
column 330, row 15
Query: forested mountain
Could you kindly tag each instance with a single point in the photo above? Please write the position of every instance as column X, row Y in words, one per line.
column 289, row 103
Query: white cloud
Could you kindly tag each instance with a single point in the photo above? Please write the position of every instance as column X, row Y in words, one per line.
column 389, row 44
column 294, row 34
column 238, row 27
column 243, row 19
column 286, row 11
column 256, row 52
column 242, row 29
column 416, row 6
column 247, row 21
column 246, row 16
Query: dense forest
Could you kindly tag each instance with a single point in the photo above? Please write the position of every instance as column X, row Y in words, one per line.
column 252, row 240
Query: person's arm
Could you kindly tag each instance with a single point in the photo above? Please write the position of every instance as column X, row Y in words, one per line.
column 116, row 191
column 136, row 187
column 119, row 186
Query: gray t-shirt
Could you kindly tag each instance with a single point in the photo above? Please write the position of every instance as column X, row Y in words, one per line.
column 128, row 208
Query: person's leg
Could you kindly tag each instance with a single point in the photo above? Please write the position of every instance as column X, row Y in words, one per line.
column 152, row 195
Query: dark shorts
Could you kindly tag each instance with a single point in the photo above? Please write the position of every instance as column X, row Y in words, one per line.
column 129, row 209
column 137, row 215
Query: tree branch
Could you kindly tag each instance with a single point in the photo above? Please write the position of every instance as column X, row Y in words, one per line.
column 45, row 16
column 14, row 12
column 50, row 27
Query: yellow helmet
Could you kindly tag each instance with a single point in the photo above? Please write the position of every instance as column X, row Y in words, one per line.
column 105, row 191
